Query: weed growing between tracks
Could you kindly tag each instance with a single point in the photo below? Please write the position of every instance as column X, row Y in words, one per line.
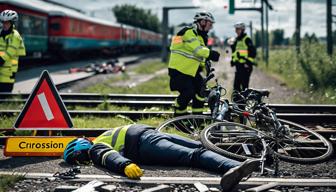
column 8, row 180
column 10, row 106
column 7, row 122
column 101, row 122
column 91, row 122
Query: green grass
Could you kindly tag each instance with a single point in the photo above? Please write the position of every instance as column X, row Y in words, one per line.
column 12, row 106
column 150, row 68
column 90, row 121
column 312, row 71
column 119, row 120
column 7, row 122
column 7, row 181
column 157, row 85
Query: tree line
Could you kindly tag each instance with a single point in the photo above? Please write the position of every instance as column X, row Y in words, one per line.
column 137, row 17
column 277, row 38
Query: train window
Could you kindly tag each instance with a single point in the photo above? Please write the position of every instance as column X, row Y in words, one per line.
column 72, row 26
column 55, row 26
column 32, row 25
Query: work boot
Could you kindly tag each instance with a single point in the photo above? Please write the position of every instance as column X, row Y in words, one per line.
column 234, row 175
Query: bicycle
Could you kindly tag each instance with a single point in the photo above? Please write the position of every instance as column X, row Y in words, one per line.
column 191, row 125
column 289, row 141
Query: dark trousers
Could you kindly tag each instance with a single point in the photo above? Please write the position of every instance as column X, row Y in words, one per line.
column 188, row 87
column 6, row 87
column 156, row 148
column 242, row 77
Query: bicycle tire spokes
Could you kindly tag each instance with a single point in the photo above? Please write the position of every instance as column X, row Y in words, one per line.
column 189, row 126
column 233, row 140
column 299, row 144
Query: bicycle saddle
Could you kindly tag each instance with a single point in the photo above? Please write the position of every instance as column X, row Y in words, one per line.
column 259, row 92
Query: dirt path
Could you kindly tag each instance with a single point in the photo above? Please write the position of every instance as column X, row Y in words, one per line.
column 224, row 72
column 259, row 80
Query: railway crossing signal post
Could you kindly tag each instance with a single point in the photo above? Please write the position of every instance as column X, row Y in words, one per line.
column 165, row 28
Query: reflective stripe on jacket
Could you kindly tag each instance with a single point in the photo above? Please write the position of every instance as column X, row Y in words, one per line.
column 188, row 52
column 123, row 139
column 116, row 148
column 11, row 47
column 242, row 49
column 114, row 138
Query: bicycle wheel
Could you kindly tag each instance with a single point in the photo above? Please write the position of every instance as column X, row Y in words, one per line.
column 189, row 126
column 299, row 144
column 233, row 140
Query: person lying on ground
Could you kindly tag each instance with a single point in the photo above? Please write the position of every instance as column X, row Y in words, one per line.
column 123, row 149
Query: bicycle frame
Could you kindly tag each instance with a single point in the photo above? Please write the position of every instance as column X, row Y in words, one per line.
column 217, row 107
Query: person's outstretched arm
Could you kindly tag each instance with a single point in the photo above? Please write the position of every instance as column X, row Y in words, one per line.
column 104, row 155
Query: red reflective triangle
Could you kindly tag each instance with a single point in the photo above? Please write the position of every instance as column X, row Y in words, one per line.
column 44, row 107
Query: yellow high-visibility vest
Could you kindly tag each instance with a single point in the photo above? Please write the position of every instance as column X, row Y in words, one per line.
column 188, row 52
column 114, row 138
column 242, row 49
column 11, row 47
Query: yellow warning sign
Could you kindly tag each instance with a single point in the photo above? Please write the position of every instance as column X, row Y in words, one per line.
column 36, row 146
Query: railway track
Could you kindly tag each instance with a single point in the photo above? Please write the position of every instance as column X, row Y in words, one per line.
column 330, row 134
column 304, row 114
column 138, row 101
column 252, row 184
column 303, row 118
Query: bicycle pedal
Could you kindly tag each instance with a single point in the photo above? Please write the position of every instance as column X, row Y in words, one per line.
column 246, row 178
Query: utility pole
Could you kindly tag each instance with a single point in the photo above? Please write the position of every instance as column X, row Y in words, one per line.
column 267, row 34
column 329, row 29
column 262, row 30
column 262, row 22
column 298, row 25
column 165, row 28
column 251, row 30
column 264, row 43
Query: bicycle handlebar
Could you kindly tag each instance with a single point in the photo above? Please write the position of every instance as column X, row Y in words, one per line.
column 208, row 78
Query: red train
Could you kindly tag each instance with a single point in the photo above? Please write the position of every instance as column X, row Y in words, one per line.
column 52, row 30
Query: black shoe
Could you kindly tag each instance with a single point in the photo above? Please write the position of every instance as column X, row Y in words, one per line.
column 233, row 176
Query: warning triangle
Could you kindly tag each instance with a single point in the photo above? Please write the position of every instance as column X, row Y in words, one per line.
column 44, row 107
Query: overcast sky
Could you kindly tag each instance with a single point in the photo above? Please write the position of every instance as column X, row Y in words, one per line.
column 282, row 17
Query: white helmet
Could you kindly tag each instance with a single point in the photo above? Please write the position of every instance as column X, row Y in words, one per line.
column 9, row 15
column 239, row 25
column 204, row 15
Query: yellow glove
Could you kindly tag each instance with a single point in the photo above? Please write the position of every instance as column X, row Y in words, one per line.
column 133, row 171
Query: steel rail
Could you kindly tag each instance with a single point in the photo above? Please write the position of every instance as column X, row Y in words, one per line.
column 94, row 103
column 315, row 118
column 253, row 181
column 97, row 96
column 328, row 133
column 163, row 101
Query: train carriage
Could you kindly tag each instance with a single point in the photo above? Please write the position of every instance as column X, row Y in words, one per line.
column 32, row 25
column 72, row 32
column 54, row 30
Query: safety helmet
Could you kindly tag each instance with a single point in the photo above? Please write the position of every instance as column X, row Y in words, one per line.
column 204, row 15
column 9, row 15
column 239, row 25
column 76, row 152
